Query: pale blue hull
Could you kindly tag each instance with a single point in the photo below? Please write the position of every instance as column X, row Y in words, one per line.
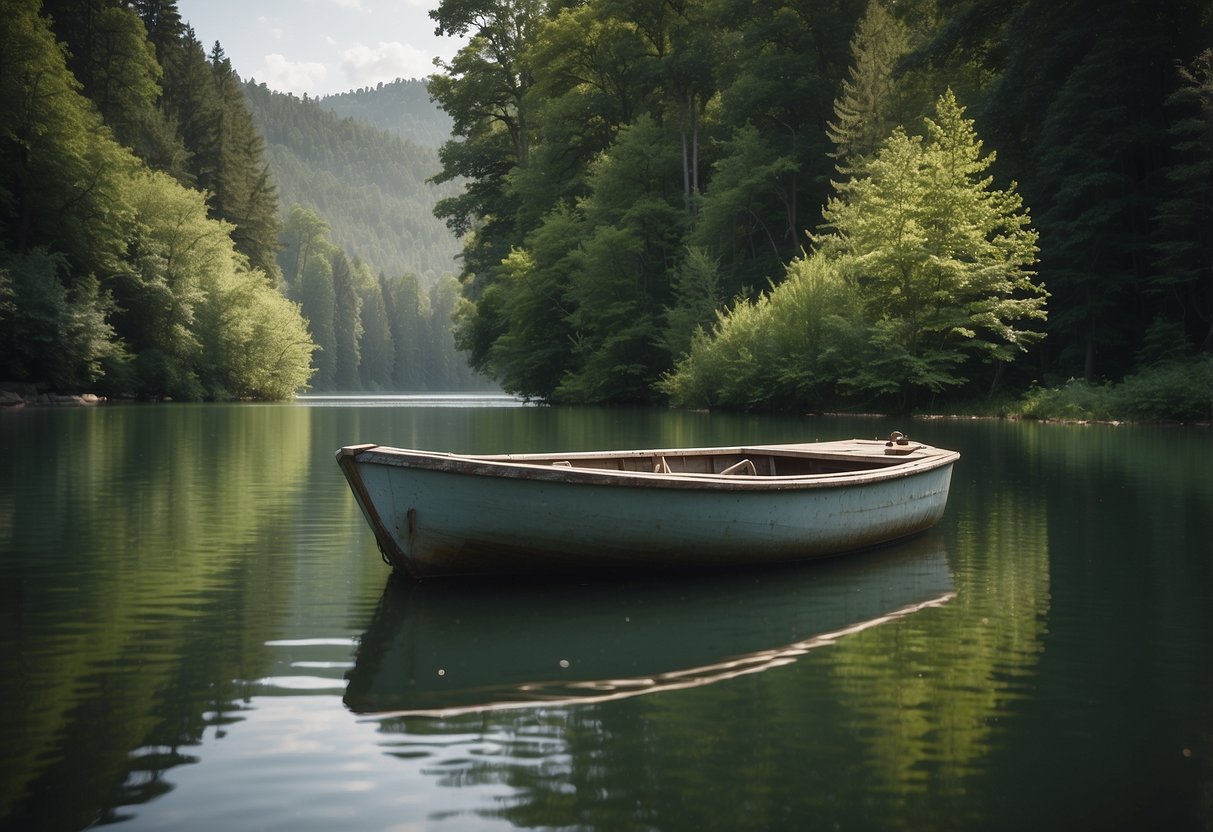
column 439, row 514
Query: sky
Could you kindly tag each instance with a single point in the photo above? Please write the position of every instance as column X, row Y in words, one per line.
column 321, row 47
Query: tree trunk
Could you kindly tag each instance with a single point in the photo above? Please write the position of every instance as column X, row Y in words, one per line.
column 996, row 384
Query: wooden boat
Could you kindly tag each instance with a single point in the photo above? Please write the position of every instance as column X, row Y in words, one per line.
column 448, row 514
column 438, row 649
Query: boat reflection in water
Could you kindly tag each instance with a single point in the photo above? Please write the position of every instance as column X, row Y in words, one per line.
column 441, row 649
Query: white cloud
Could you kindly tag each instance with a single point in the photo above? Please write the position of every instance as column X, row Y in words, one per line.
column 291, row 76
column 349, row 4
column 364, row 65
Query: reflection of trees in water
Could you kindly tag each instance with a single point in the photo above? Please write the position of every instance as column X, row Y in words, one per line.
column 151, row 600
column 927, row 714
column 753, row 750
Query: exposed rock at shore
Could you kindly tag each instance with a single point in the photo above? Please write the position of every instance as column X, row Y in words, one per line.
column 20, row 395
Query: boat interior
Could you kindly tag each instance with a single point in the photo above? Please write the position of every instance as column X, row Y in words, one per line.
column 742, row 462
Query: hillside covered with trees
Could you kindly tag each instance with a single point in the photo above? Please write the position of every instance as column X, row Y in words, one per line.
column 402, row 107
column 142, row 248
column 370, row 186
column 828, row 205
column 138, row 225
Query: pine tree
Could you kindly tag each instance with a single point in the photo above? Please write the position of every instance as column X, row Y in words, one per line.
column 377, row 350
column 1183, row 271
column 403, row 304
column 316, row 301
column 347, row 324
column 943, row 260
column 871, row 103
column 112, row 58
column 242, row 189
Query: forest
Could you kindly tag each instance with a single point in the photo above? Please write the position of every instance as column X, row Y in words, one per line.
column 360, row 247
column 849, row 205
column 402, row 107
column 369, row 185
column 839, row 205
column 144, row 251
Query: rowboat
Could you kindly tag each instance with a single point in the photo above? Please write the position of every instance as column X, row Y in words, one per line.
column 434, row 648
column 437, row 514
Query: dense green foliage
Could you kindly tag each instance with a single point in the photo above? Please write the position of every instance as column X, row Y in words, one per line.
column 1174, row 390
column 630, row 164
column 373, row 332
column 142, row 252
column 370, row 186
column 922, row 268
column 113, row 273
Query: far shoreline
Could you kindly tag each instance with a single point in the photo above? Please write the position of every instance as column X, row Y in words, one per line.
column 16, row 396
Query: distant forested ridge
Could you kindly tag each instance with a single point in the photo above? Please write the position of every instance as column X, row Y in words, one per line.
column 641, row 173
column 361, row 249
column 376, row 331
column 142, row 250
column 369, row 185
column 402, row 107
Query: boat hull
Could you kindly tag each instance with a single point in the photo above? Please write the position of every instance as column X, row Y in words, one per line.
column 436, row 514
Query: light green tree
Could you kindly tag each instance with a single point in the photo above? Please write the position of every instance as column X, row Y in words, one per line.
column 533, row 353
column 204, row 324
column 872, row 100
column 788, row 349
column 942, row 260
column 696, row 291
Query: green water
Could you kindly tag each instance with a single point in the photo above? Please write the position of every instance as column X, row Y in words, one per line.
column 197, row 632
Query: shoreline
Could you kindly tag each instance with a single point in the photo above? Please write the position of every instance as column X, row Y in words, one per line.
column 18, row 396
column 10, row 398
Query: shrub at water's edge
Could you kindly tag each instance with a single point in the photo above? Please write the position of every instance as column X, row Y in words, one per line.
column 1179, row 390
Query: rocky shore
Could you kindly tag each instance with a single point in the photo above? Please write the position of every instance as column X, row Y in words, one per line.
column 20, row 395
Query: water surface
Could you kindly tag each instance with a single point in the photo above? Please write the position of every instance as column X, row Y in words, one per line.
column 196, row 630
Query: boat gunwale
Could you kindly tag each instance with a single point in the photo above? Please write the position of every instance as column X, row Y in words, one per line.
column 540, row 468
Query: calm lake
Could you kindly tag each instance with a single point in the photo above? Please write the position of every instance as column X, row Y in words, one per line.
column 197, row 632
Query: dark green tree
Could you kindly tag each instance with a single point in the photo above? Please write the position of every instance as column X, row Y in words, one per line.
column 484, row 90
column 377, row 353
column 533, row 353
column 48, row 334
column 347, row 323
column 780, row 78
column 403, row 303
column 241, row 186
column 112, row 58
column 743, row 217
column 1183, row 269
column 317, row 302
column 696, row 299
column 635, row 222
